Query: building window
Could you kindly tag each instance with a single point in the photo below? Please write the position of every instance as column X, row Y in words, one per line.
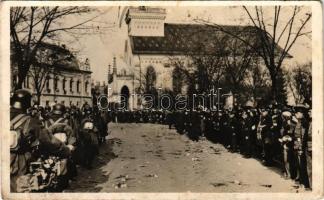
column 71, row 85
column 47, row 84
column 63, row 85
column 56, row 79
column 62, row 102
column 78, row 86
column 47, row 103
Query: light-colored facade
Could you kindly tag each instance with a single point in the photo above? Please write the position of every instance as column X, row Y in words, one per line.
column 128, row 73
column 70, row 84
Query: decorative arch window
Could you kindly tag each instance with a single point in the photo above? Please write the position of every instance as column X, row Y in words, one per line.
column 150, row 78
column 177, row 80
column 123, row 72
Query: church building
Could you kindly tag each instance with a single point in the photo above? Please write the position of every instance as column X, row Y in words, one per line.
column 150, row 48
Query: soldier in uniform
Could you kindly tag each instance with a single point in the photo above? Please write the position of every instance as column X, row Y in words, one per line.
column 60, row 125
column 27, row 138
column 59, row 119
column 89, row 136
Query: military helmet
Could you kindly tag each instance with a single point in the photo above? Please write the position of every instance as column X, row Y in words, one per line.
column 58, row 109
column 87, row 109
column 48, row 108
column 21, row 99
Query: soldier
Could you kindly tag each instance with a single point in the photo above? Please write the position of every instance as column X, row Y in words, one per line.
column 89, row 136
column 59, row 119
column 60, row 126
column 101, row 124
column 28, row 138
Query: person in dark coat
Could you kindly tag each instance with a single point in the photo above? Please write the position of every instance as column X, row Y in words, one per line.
column 300, row 145
column 245, row 128
column 29, row 140
column 89, row 136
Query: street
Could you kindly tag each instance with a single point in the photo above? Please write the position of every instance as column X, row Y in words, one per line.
column 152, row 158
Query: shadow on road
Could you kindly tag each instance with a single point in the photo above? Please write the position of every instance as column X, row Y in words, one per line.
column 88, row 180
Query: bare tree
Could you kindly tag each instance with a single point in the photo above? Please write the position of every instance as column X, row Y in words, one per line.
column 201, row 65
column 31, row 26
column 238, row 60
column 300, row 83
column 258, row 82
column 280, row 29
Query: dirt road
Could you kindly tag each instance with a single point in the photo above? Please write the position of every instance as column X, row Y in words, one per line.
column 152, row 158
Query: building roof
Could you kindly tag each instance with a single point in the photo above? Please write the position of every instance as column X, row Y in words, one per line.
column 192, row 38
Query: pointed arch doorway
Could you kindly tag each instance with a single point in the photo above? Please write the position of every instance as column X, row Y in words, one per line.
column 124, row 98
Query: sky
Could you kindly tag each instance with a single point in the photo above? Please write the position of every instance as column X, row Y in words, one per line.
column 101, row 47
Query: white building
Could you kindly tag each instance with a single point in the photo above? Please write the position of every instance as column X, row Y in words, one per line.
column 68, row 82
column 151, row 45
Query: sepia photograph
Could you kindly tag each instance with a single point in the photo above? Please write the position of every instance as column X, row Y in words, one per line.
column 161, row 98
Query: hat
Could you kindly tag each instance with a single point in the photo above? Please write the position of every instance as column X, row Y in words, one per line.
column 286, row 114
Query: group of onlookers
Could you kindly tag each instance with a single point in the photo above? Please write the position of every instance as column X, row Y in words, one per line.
column 277, row 135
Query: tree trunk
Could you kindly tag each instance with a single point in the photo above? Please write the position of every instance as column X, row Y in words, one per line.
column 38, row 97
column 273, row 86
column 22, row 73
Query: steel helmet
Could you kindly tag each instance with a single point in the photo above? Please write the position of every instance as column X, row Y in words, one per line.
column 21, row 99
column 58, row 109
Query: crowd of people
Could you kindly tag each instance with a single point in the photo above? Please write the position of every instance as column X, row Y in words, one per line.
column 277, row 135
column 47, row 143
